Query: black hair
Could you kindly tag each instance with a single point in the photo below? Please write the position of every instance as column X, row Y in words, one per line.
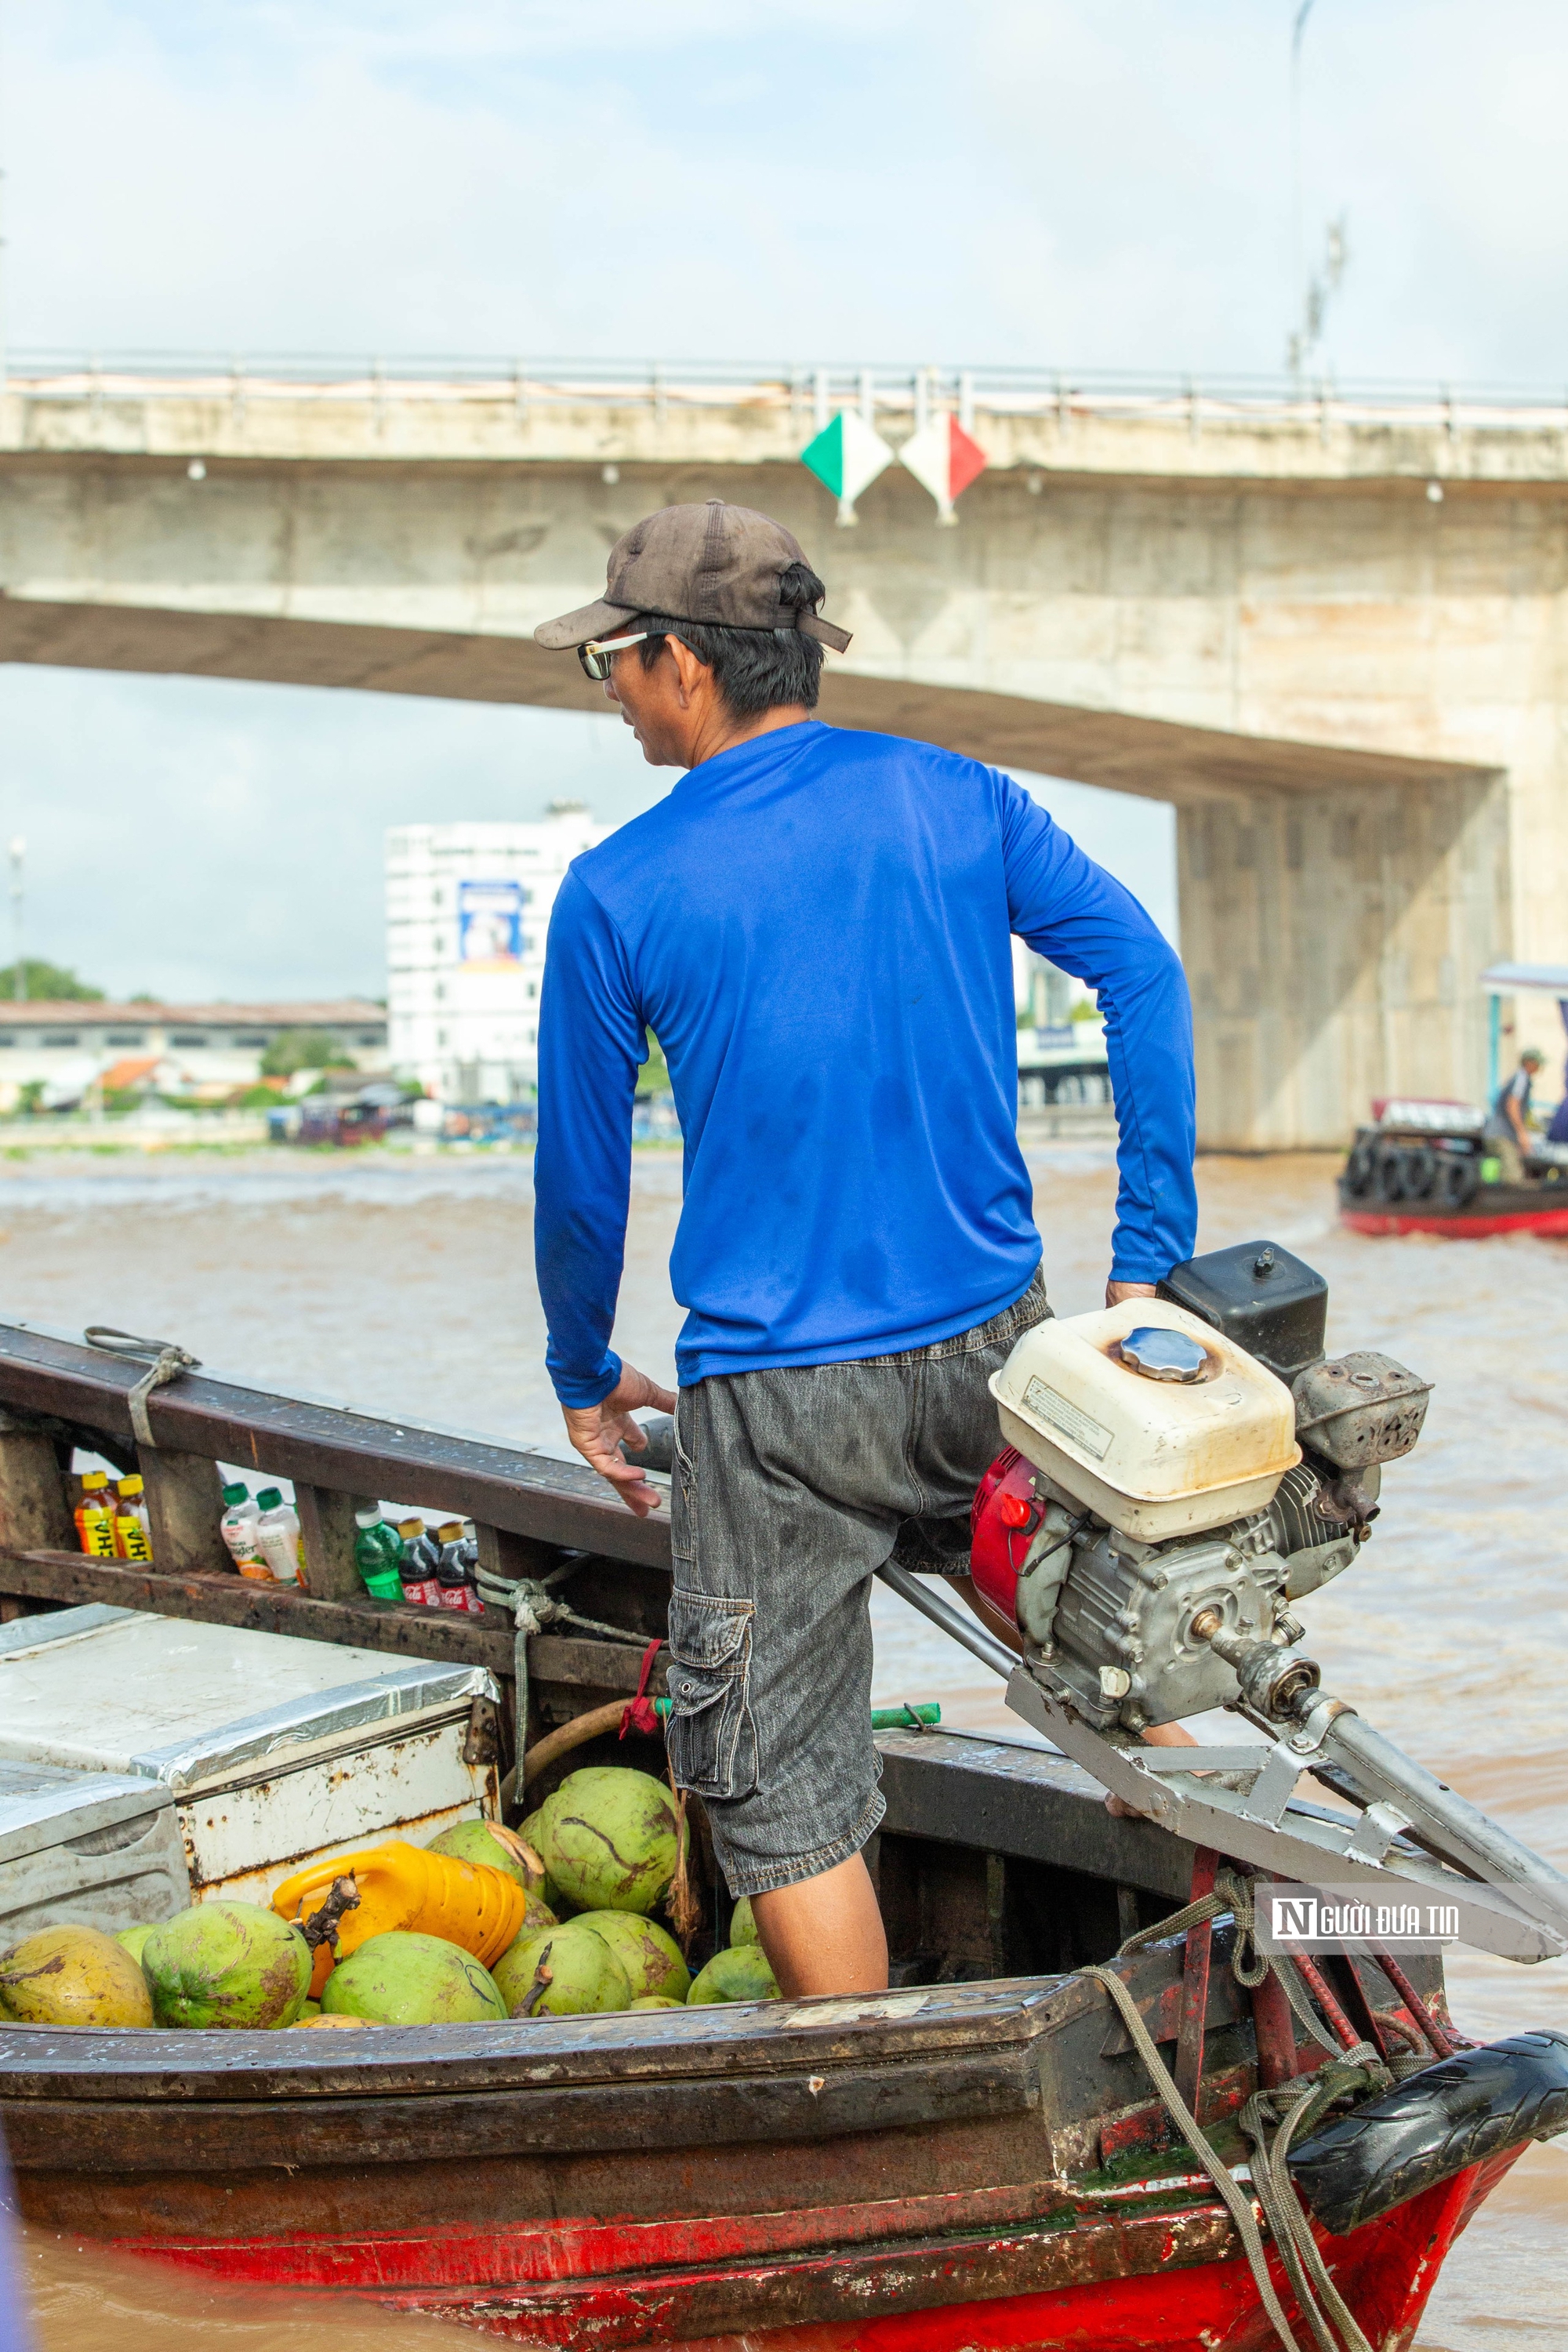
column 753, row 669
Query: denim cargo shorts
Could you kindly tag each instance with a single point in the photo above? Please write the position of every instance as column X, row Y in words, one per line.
column 791, row 1489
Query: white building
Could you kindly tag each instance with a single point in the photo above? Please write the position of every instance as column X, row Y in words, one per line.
column 468, row 907
column 197, row 1050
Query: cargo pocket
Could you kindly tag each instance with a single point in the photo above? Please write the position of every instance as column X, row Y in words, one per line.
column 712, row 1739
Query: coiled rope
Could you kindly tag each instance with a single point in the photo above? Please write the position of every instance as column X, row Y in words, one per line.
column 165, row 1360
column 532, row 1606
column 1271, row 2120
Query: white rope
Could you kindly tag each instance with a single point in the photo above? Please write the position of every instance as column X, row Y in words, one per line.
column 167, row 1363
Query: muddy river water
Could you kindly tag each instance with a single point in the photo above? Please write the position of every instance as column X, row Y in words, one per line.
column 404, row 1284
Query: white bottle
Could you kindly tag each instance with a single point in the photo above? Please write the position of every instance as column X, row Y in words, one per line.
column 278, row 1536
column 238, row 1528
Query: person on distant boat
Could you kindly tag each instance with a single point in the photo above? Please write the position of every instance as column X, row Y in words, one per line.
column 816, row 924
column 1506, row 1132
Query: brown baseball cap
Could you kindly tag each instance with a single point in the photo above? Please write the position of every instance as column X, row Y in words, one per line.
column 715, row 564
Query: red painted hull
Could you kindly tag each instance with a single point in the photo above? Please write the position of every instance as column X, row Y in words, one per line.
column 1457, row 1227
column 1129, row 2280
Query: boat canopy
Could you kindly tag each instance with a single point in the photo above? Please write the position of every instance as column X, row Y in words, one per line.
column 1500, row 980
column 1511, row 978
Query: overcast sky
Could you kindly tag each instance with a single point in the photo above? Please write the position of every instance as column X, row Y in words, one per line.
column 1081, row 182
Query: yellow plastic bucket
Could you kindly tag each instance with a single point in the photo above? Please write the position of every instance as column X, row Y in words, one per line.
column 403, row 1886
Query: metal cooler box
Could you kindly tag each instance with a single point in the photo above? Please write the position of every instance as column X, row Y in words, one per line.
column 87, row 1849
column 273, row 1750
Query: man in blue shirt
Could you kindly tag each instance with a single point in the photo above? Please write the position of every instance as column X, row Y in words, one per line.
column 816, row 924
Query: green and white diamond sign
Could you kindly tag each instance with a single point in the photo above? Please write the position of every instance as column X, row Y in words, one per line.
column 847, row 457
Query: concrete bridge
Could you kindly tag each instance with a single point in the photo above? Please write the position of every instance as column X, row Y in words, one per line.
column 1333, row 633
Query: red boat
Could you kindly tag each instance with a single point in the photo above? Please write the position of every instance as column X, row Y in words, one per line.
column 1424, row 1165
column 979, row 2157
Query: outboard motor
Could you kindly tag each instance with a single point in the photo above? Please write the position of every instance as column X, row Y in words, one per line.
column 1177, row 1460
column 1180, row 1472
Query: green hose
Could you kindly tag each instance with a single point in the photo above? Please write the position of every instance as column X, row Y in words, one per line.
column 904, row 1717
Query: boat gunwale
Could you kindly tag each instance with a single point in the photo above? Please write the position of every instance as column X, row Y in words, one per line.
column 184, row 2068
column 509, row 1487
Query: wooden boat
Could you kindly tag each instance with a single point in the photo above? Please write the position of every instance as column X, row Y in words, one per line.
column 977, row 2158
column 1406, row 1175
column 1421, row 1166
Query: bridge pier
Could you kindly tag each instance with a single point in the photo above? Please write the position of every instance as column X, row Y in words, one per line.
column 1332, row 941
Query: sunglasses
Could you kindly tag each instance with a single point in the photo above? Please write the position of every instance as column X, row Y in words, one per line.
column 598, row 655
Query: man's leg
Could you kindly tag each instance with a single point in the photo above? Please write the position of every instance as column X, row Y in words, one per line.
column 825, row 1933
column 790, row 1485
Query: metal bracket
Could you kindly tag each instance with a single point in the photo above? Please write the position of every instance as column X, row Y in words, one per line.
column 1526, row 1922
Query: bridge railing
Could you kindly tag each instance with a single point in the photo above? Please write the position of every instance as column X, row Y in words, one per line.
column 812, row 393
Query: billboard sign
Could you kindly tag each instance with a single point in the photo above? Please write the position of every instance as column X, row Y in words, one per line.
column 489, row 926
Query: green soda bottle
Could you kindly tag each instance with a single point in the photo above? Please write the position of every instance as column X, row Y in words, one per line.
column 378, row 1553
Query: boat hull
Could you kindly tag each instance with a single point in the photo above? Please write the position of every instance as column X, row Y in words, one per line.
column 1171, row 2277
column 1496, row 1209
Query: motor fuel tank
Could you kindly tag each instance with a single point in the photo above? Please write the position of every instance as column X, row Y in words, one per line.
column 1159, row 1424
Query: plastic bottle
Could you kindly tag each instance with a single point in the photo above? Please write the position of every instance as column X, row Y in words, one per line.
column 468, row 1552
column 452, row 1573
column 132, row 1540
column 420, row 1587
column 94, row 1517
column 238, row 1528
column 378, row 1554
column 278, row 1536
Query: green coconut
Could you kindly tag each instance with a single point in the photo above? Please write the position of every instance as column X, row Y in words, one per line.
column 133, row 1938
column 563, row 1973
column 651, row 1957
column 740, row 1972
column 73, row 1976
column 477, row 1841
column 743, row 1926
column 654, row 2001
column 609, row 1839
column 548, row 1893
column 229, row 1965
column 405, row 1978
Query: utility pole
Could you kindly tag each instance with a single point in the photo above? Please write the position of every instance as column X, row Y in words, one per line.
column 3, row 97
column 18, row 969
column 1296, row 239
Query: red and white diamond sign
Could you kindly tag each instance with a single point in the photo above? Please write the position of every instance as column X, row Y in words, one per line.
column 945, row 460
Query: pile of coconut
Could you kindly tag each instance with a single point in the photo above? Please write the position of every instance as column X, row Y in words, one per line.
column 594, row 1862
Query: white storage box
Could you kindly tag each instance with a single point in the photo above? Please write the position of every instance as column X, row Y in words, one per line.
column 275, row 1751
column 88, row 1850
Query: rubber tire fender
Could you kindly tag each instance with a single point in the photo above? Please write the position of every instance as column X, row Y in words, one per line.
column 1420, row 1172
column 1459, row 1179
column 1388, row 1172
column 1432, row 2126
column 1357, row 1178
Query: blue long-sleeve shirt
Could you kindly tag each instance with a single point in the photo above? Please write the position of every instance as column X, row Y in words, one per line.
column 815, row 927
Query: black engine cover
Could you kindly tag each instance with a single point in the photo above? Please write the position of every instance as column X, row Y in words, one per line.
column 1270, row 1303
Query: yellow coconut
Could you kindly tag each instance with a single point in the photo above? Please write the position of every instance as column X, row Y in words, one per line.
column 73, row 1976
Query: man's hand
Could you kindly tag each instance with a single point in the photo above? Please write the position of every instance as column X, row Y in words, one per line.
column 598, row 1430
column 1115, row 1292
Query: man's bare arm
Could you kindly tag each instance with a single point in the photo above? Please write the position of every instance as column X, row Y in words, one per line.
column 598, row 1430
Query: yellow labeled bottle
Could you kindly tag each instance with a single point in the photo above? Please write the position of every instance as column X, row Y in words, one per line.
column 94, row 1517
column 131, row 1539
